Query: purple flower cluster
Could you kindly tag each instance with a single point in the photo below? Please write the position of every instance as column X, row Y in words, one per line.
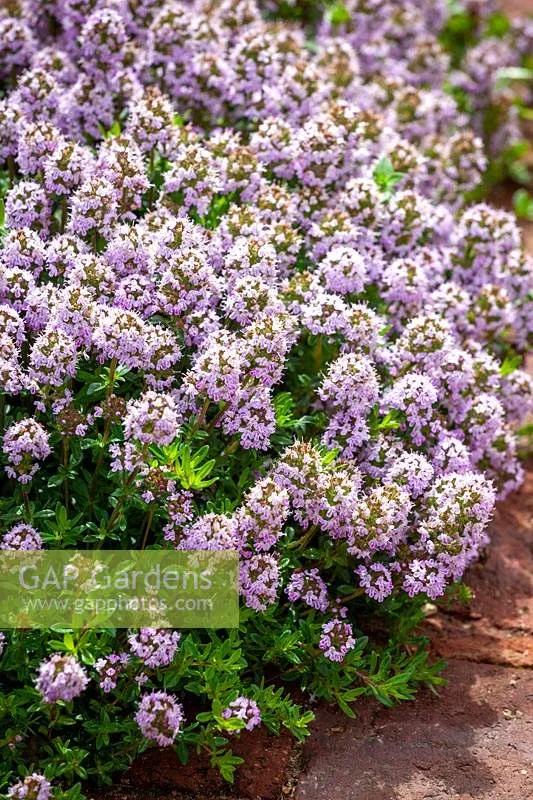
column 245, row 710
column 336, row 639
column 61, row 678
column 155, row 647
column 205, row 215
column 109, row 669
column 309, row 587
column 21, row 537
column 159, row 716
column 32, row 787
column 152, row 419
column 25, row 444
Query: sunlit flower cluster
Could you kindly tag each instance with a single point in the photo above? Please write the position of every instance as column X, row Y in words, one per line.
column 246, row 304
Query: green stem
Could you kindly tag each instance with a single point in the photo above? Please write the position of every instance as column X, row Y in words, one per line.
column 152, row 190
column 200, row 419
column 54, row 714
column 318, row 355
column 116, row 511
column 148, row 525
column 64, row 210
column 303, row 541
column 347, row 597
column 105, row 437
column 65, row 446
column 218, row 416
column 230, row 448
column 11, row 170
column 27, row 509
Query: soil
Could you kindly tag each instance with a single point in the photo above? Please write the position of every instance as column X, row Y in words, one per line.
column 267, row 762
column 473, row 741
column 270, row 770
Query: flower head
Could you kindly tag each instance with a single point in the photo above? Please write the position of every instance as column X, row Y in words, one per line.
column 61, row 677
column 159, row 716
column 245, row 710
column 32, row 787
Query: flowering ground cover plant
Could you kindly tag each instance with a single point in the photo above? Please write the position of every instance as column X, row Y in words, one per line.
column 245, row 304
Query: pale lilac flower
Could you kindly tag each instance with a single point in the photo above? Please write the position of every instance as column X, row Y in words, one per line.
column 32, row 787
column 109, row 669
column 216, row 370
column 28, row 206
column 245, row 710
column 309, row 587
column 152, row 419
column 259, row 581
column 376, row 580
column 349, row 391
column 250, row 414
column 380, row 520
column 17, row 44
column 160, row 717
column 21, row 537
column 261, row 518
column 25, row 444
column 210, row 532
column 336, row 639
column 61, row 677
column 413, row 471
column 102, row 40
column 343, row 270
column 155, row 647
column 93, row 208
column 37, row 142
column 53, row 358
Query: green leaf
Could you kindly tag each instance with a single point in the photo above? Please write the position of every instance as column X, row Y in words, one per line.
column 510, row 364
column 284, row 408
column 526, row 112
column 226, row 763
column 328, row 456
column 114, row 130
column 460, row 23
column 523, row 204
column 345, row 707
column 498, row 24
column 338, row 14
column 192, row 470
column 94, row 388
column 385, row 176
column 182, row 751
column 509, row 74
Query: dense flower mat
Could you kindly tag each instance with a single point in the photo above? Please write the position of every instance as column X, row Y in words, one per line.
column 246, row 302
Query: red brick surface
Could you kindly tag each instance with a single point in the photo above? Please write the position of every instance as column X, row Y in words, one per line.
column 473, row 741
